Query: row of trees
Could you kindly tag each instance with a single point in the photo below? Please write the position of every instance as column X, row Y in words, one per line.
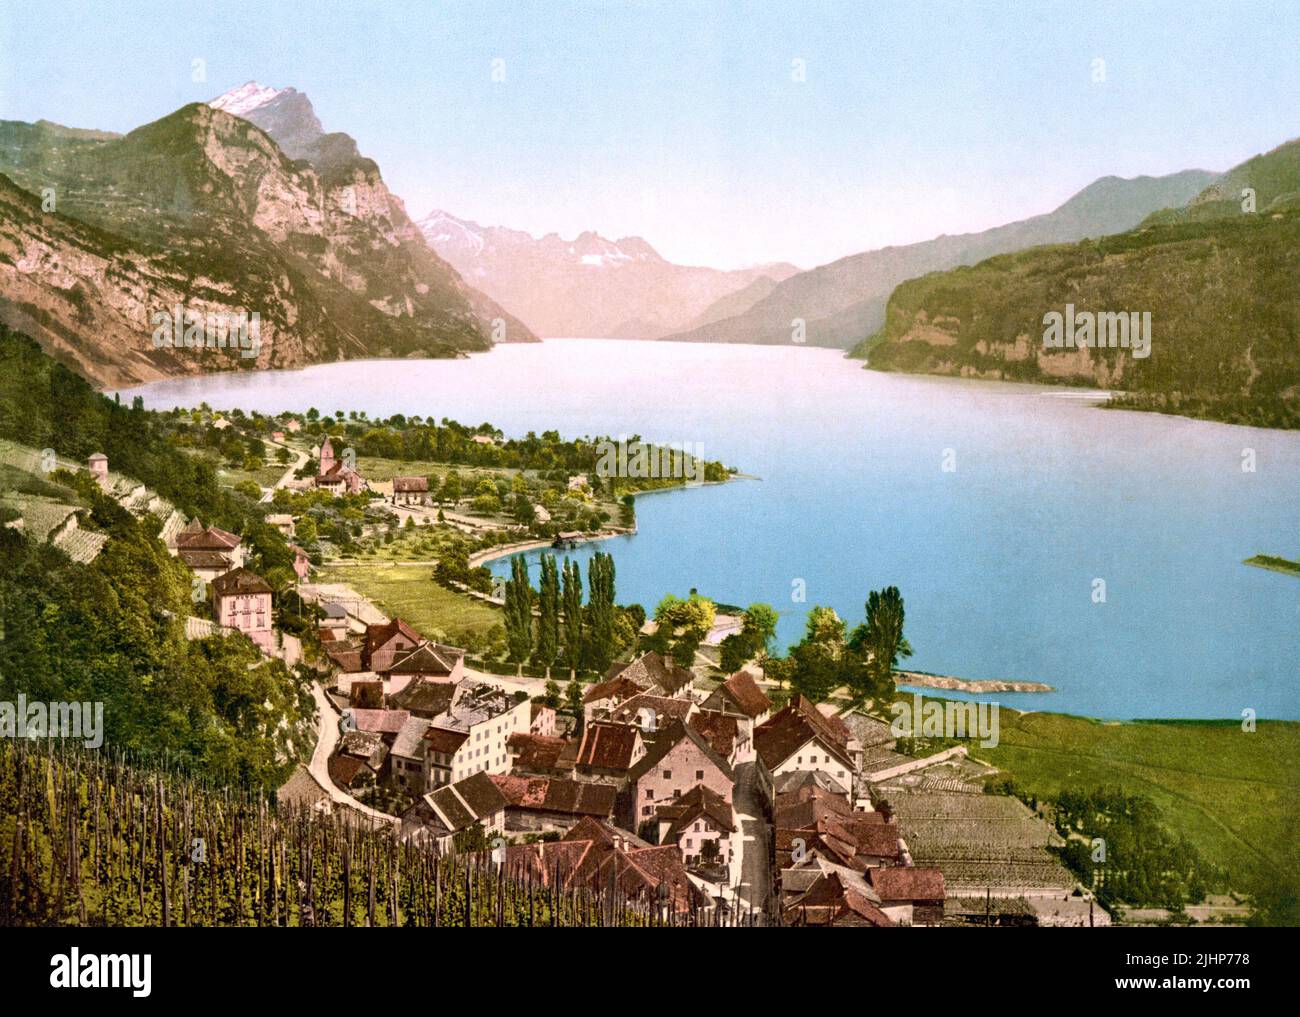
column 562, row 630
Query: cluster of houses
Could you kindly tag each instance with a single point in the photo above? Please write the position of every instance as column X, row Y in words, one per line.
column 680, row 795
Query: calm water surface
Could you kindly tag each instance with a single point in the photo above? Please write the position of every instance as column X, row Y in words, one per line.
column 996, row 559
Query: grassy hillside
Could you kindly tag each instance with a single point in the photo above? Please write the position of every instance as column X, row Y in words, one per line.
column 1234, row 794
column 1222, row 294
column 409, row 592
column 1218, row 277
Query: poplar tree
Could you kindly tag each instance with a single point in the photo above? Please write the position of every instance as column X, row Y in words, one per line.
column 519, row 611
column 572, row 599
column 600, row 609
column 548, row 619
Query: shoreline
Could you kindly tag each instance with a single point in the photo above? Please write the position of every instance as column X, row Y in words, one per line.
column 506, row 550
column 974, row 686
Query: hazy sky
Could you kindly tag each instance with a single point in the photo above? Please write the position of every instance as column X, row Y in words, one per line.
column 683, row 122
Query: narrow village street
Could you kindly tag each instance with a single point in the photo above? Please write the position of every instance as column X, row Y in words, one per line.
column 755, row 841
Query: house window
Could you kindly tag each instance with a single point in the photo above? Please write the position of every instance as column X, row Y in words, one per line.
column 668, row 775
column 645, row 810
column 649, row 793
column 699, row 774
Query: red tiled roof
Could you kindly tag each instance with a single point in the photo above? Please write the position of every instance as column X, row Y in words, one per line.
column 662, row 709
column 608, row 746
column 742, row 690
column 617, row 689
column 381, row 721
column 239, row 581
column 196, row 537
column 907, row 883
column 378, row 635
column 699, row 801
column 441, row 740
column 652, row 670
column 782, row 735
column 555, row 794
column 721, row 730
column 830, row 902
column 536, row 752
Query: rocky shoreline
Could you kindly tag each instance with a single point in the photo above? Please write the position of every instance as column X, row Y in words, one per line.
column 975, row 686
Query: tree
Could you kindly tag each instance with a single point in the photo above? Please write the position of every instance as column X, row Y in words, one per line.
column 687, row 621
column 451, row 491
column 760, row 625
column 522, row 509
column 824, row 626
column 519, row 611
column 573, row 702
column 818, row 668
column 736, row 650
column 572, row 630
column 600, row 611
column 548, row 618
column 551, row 697
column 881, row 641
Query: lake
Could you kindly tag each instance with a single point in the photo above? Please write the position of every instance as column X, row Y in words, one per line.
column 995, row 508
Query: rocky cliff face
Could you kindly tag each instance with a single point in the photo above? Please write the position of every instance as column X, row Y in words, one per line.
column 202, row 210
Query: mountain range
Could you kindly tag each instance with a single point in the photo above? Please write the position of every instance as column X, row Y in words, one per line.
column 839, row 303
column 589, row 286
column 1217, row 276
column 204, row 209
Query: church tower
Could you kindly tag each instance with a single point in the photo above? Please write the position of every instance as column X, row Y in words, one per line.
column 327, row 459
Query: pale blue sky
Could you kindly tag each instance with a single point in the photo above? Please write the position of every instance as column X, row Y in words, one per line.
column 679, row 122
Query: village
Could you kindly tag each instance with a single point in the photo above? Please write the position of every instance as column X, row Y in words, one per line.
column 690, row 789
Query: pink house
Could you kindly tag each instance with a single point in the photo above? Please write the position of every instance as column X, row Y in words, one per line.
column 242, row 600
column 681, row 758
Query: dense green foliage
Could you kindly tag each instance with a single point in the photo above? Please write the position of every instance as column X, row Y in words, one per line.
column 112, row 631
column 1118, row 846
column 1223, row 300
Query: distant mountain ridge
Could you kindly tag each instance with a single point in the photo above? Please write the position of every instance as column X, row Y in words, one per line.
column 589, row 286
column 841, row 302
column 203, row 209
column 1218, row 281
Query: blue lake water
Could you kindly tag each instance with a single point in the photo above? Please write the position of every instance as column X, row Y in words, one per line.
column 997, row 559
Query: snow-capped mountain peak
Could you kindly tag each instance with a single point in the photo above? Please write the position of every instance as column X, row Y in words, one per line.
column 246, row 98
